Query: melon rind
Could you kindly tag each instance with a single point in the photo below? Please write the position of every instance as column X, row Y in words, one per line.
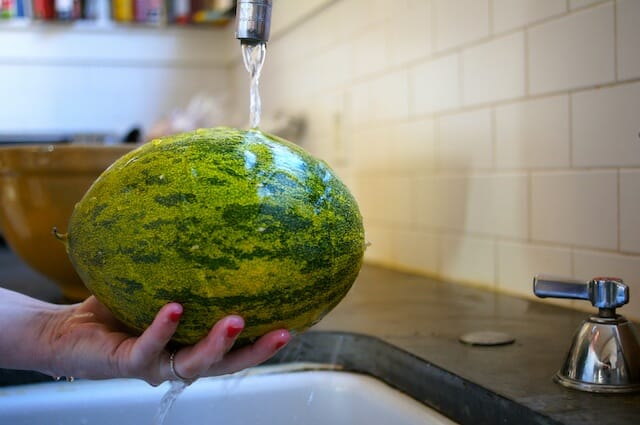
column 223, row 221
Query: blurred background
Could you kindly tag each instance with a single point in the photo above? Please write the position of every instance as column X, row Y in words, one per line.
column 486, row 140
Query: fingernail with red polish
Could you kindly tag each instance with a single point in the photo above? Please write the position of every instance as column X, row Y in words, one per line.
column 234, row 331
column 175, row 316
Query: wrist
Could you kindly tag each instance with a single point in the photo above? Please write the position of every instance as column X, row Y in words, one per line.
column 47, row 327
column 26, row 342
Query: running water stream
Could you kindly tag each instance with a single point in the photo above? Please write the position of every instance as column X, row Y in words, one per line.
column 253, row 57
column 170, row 397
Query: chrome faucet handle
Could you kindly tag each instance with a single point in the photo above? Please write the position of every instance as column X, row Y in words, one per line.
column 605, row 351
column 606, row 293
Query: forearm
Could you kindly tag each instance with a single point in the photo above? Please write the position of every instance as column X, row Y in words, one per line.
column 86, row 341
column 23, row 344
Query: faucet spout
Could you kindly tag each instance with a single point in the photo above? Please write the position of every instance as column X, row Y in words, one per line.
column 253, row 21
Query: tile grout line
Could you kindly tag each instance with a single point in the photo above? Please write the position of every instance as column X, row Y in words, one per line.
column 496, row 263
column 460, row 80
column 619, row 210
column 529, row 97
column 615, row 41
column 491, row 18
column 571, row 132
column 530, row 206
column 527, row 76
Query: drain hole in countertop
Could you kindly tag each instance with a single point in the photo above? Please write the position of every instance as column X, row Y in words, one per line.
column 487, row 338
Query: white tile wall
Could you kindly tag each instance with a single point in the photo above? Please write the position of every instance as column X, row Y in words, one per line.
column 519, row 262
column 434, row 85
column 468, row 259
column 628, row 38
column 372, row 149
column 575, row 208
column 478, row 193
column 630, row 211
column 576, row 4
column 573, row 51
column 450, row 200
column 380, row 248
column 328, row 126
column 321, row 70
column 415, row 250
column 534, row 133
column 512, row 14
column 410, row 31
column 465, row 140
column 288, row 12
column 383, row 99
column 483, row 81
column 459, row 22
column 369, row 53
column 428, row 205
column 386, row 199
column 495, row 141
column 508, row 206
column 606, row 131
column 412, row 146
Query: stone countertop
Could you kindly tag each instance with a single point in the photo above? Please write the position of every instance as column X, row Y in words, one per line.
column 426, row 317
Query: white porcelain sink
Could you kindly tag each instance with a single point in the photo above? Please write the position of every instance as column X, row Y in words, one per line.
column 303, row 397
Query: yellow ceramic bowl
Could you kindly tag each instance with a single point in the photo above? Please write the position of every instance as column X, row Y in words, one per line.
column 39, row 186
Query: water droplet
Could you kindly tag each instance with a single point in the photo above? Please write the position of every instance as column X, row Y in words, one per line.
column 250, row 160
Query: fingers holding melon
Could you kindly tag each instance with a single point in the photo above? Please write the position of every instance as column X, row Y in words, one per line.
column 251, row 355
column 212, row 355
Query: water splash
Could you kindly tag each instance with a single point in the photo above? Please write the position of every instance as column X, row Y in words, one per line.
column 231, row 383
column 253, row 57
column 337, row 350
column 170, row 397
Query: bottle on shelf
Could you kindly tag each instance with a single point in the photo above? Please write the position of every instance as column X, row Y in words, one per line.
column 123, row 10
column 67, row 10
column 7, row 9
column 44, row 9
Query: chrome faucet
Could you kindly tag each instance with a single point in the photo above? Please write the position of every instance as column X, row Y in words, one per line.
column 253, row 21
column 605, row 352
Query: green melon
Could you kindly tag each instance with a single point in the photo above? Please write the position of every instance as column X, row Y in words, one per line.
column 222, row 221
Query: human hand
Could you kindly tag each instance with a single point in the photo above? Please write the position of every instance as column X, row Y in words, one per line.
column 86, row 341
